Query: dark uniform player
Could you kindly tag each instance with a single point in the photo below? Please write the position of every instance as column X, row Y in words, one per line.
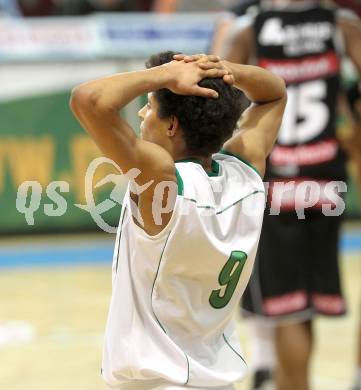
column 300, row 47
column 297, row 273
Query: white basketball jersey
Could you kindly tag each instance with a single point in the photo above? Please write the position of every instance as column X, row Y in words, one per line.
column 174, row 293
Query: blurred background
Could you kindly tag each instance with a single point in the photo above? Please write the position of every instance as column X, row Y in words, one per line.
column 58, row 216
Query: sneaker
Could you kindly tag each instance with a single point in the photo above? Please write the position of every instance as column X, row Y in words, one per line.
column 263, row 380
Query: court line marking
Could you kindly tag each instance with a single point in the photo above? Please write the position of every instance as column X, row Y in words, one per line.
column 100, row 251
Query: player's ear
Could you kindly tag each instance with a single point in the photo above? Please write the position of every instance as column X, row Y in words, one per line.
column 172, row 126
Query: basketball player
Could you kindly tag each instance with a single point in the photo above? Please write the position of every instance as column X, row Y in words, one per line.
column 183, row 259
column 299, row 40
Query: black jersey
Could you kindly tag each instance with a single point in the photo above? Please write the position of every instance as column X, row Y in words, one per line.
column 299, row 45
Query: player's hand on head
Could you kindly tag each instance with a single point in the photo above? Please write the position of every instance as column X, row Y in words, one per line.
column 189, row 70
column 184, row 78
column 207, row 62
column 197, row 57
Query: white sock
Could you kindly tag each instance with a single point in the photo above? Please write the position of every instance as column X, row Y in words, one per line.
column 261, row 334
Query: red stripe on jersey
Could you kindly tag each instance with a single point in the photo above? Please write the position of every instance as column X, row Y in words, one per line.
column 303, row 155
column 305, row 68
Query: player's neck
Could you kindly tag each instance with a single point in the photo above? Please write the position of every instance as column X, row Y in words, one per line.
column 206, row 162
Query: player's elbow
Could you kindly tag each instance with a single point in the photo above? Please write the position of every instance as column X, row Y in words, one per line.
column 85, row 100
column 282, row 90
column 283, row 104
column 283, row 99
column 82, row 98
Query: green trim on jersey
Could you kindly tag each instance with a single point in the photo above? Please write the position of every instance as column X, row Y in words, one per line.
column 227, row 207
column 230, row 346
column 151, row 303
column 156, row 275
column 239, row 200
column 215, row 169
column 222, row 151
column 120, row 236
column 214, row 166
column 179, row 182
column 187, row 368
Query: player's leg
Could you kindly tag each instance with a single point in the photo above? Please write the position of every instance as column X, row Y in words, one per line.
column 325, row 282
column 294, row 339
column 278, row 287
column 294, row 347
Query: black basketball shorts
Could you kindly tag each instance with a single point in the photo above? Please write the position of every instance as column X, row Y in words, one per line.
column 296, row 272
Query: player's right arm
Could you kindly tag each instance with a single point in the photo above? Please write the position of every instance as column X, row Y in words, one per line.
column 261, row 122
column 97, row 105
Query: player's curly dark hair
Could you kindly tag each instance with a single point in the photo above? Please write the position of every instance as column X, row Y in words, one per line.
column 206, row 122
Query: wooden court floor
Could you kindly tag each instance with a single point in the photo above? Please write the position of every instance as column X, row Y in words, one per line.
column 52, row 321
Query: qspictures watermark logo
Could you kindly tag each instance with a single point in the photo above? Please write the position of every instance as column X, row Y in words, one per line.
column 30, row 194
column 297, row 196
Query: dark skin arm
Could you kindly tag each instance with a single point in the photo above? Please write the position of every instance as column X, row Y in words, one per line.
column 261, row 122
column 97, row 104
column 239, row 47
